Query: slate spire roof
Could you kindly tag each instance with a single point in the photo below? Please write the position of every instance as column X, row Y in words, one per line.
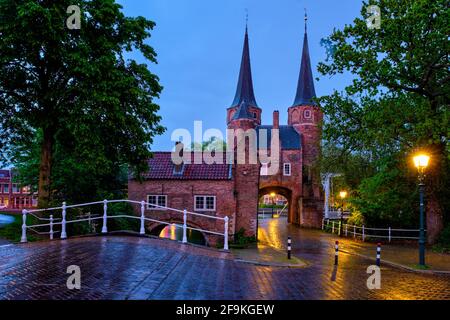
column 244, row 91
column 305, row 87
column 242, row 112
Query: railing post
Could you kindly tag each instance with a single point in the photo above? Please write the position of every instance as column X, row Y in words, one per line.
column 51, row 227
column 363, row 234
column 142, row 231
column 389, row 234
column 23, row 239
column 63, row 222
column 323, row 223
column 105, row 216
column 354, row 232
column 225, row 241
column 346, row 229
column 184, row 226
column 332, row 227
column 340, row 227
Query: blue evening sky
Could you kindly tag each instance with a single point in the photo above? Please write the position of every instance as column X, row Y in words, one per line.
column 199, row 45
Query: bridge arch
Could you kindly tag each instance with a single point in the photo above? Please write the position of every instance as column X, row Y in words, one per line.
column 155, row 229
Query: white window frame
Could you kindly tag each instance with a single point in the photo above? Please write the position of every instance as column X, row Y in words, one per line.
column 204, row 203
column 149, row 207
column 287, row 165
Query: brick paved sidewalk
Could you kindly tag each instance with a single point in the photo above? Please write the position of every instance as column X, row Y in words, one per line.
column 267, row 256
column 115, row 267
column 405, row 256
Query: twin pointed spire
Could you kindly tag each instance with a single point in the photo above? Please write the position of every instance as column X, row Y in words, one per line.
column 245, row 96
column 244, row 91
column 305, row 86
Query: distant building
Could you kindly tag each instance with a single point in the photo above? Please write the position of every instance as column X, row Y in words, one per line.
column 269, row 200
column 12, row 195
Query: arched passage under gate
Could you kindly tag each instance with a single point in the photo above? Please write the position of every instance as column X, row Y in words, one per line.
column 285, row 193
column 286, row 211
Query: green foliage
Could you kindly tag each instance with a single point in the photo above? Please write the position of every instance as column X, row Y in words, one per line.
column 75, row 95
column 356, row 219
column 212, row 144
column 242, row 241
column 388, row 198
column 13, row 231
column 275, row 206
column 444, row 240
column 398, row 102
column 122, row 224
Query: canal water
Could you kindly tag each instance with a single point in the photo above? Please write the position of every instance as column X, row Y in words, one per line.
column 5, row 220
column 174, row 232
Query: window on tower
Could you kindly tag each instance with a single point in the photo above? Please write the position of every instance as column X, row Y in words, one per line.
column 307, row 114
column 287, row 169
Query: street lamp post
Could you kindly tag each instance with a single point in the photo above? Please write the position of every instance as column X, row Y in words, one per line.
column 421, row 163
column 342, row 195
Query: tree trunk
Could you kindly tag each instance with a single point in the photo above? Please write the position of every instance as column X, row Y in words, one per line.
column 434, row 193
column 45, row 169
column 435, row 218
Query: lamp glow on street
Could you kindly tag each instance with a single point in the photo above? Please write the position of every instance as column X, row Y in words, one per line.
column 273, row 194
column 343, row 194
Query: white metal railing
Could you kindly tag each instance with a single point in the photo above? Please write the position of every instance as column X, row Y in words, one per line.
column 364, row 232
column 52, row 222
column 282, row 210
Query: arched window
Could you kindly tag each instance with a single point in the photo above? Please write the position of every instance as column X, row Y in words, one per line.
column 295, row 116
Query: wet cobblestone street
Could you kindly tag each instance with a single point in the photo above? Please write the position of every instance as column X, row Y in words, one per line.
column 142, row 268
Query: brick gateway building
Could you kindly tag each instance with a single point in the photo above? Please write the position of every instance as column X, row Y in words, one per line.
column 233, row 189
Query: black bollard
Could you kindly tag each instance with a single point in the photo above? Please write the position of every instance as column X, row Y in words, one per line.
column 336, row 253
column 289, row 248
column 378, row 254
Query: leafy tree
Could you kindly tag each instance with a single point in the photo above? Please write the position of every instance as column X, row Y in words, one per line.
column 212, row 144
column 388, row 198
column 74, row 94
column 398, row 101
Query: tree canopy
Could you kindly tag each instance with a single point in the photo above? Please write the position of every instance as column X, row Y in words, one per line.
column 398, row 102
column 74, row 111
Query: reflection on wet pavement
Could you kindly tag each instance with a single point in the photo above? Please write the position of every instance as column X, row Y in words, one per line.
column 144, row 268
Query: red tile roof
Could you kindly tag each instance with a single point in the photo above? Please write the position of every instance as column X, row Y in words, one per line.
column 162, row 167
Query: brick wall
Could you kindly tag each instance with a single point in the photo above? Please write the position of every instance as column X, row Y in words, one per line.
column 180, row 195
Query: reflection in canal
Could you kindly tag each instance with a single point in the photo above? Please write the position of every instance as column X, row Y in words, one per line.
column 174, row 232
